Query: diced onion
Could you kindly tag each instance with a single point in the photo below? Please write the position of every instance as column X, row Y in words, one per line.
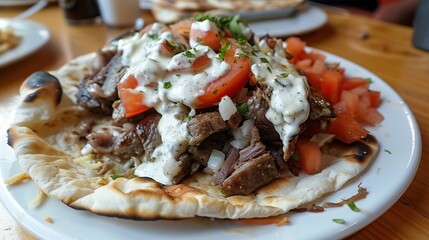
column 236, row 133
column 240, row 143
column 226, row 108
column 246, row 128
column 86, row 150
column 216, row 160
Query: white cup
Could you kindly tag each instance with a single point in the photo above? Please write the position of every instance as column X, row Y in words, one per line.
column 119, row 13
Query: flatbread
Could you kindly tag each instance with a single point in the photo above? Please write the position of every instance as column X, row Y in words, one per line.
column 45, row 148
column 169, row 11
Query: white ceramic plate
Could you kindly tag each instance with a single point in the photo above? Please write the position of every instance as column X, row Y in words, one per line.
column 33, row 36
column 305, row 20
column 396, row 164
column 14, row 3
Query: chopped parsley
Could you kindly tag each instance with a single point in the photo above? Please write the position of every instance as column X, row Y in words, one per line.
column 215, row 92
column 153, row 36
column 189, row 54
column 186, row 119
column 115, row 176
column 176, row 47
column 389, row 152
column 353, row 207
column 242, row 41
column 198, row 39
column 264, row 60
column 223, row 49
column 369, row 80
column 242, row 108
column 167, row 85
column 226, row 22
column 269, row 70
column 284, row 75
column 339, row 220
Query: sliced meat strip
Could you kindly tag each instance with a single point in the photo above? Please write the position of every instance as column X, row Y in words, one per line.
column 319, row 106
column 250, row 176
column 147, row 131
column 101, row 142
column 97, row 93
column 235, row 120
column 258, row 107
column 128, row 144
column 227, row 167
column 185, row 163
column 203, row 125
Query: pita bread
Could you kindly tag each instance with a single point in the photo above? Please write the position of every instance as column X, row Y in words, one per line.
column 45, row 148
column 168, row 11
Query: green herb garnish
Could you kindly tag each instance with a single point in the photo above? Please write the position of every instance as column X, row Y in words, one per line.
column 167, row 85
column 153, row 36
column 369, row 80
column 264, row 60
column 186, row 119
column 284, row 75
column 223, row 49
column 353, row 207
column 242, row 108
column 339, row 220
column 242, row 41
column 269, row 70
column 389, row 152
column 189, row 54
column 115, row 176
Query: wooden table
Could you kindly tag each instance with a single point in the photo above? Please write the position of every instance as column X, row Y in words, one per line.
column 385, row 50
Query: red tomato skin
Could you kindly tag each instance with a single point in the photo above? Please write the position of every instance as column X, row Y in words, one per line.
column 331, row 86
column 230, row 83
column 346, row 128
column 310, row 156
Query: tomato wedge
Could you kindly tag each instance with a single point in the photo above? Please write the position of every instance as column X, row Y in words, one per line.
column 209, row 38
column 331, row 86
column 131, row 98
column 346, row 128
column 231, row 82
column 310, row 156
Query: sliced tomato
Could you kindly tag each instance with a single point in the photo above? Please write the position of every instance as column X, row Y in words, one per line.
column 351, row 83
column 231, row 82
column 371, row 116
column 310, row 156
column 200, row 63
column 132, row 101
column 209, row 38
column 374, row 97
column 131, row 98
column 331, row 86
column 351, row 101
column 346, row 128
column 295, row 46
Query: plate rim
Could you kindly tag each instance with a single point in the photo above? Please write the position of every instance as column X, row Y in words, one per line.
column 45, row 37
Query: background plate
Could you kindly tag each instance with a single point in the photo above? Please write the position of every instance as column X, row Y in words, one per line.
column 33, row 36
column 396, row 164
column 304, row 20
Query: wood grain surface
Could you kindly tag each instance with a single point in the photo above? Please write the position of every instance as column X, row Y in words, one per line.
column 382, row 48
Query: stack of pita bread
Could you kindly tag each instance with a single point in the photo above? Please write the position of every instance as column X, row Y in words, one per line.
column 168, row 11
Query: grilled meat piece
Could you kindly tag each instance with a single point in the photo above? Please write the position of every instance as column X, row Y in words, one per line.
column 250, row 176
column 203, row 125
column 319, row 106
column 147, row 131
column 258, row 107
column 97, row 93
